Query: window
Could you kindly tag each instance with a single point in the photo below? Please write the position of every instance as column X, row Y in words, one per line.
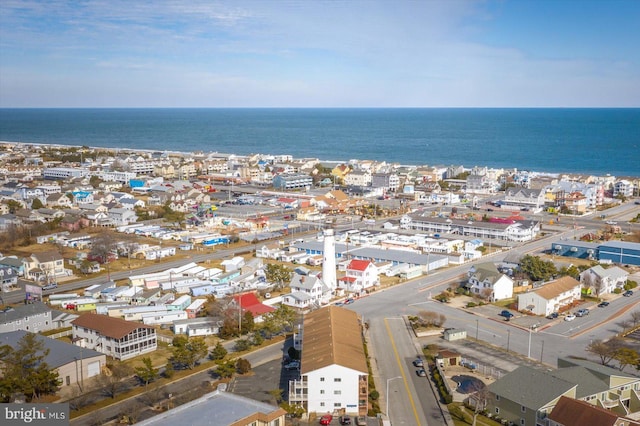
column 322, row 379
column 497, row 397
column 321, row 391
column 337, row 405
column 522, row 422
column 337, row 392
column 322, row 404
column 68, row 380
column 337, row 379
column 523, row 408
column 497, row 410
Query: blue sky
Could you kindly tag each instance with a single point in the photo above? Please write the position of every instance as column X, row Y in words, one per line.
column 269, row 53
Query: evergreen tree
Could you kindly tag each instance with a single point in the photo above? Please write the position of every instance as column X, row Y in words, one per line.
column 243, row 366
column 25, row 370
column 147, row 373
column 187, row 352
column 218, row 352
column 36, row 204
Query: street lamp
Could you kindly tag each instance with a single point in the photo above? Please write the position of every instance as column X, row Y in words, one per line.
column 529, row 350
column 386, row 411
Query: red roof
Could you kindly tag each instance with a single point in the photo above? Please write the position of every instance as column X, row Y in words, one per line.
column 348, row 279
column 249, row 302
column 286, row 200
column 359, row 265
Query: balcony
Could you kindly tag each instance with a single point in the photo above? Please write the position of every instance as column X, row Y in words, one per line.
column 297, row 391
column 609, row 403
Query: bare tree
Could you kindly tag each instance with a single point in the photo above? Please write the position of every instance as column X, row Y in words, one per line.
column 635, row 318
column 79, row 399
column 605, row 350
column 479, row 397
column 131, row 412
column 113, row 382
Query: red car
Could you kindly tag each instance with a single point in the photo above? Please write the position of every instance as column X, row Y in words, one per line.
column 326, row 419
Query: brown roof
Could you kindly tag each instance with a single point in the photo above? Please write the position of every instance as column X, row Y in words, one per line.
column 331, row 336
column 107, row 326
column 448, row 354
column 47, row 256
column 557, row 287
column 573, row 412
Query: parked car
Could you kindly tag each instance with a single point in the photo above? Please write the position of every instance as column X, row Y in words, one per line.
column 421, row 372
column 326, row 419
column 628, row 293
column 348, row 301
column 570, row 317
column 50, row 286
column 418, row 363
column 582, row 312
column 603, row 304
column 552, row 315
column 506, row 314
column 345, row 420
column 361, row 421
column 292, row 365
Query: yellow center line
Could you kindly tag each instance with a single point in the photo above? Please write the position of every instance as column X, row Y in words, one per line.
column 404, row 376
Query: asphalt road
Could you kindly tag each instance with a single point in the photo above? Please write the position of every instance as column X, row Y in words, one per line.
column 266, row 355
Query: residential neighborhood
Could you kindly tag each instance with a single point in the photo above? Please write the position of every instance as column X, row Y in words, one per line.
column 127, row 264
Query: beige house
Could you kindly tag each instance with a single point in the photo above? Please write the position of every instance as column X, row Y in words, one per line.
column 75, row 366
column 551, row 297
column 45, row 266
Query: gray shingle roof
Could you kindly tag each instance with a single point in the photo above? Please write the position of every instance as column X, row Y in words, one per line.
column 530, row 388
column 588, row 383
column 23, row 311
column 60, row 353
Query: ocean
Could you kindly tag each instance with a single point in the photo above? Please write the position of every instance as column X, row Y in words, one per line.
column 554, row 140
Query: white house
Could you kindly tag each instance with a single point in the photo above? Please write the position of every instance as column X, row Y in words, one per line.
column 487, row 282
column 333, row 370
column 306, row 291
column 114, row 336
column 122, row 216
column 197, row 326
column 360, row 275
column 550, row 297
column 599, row 280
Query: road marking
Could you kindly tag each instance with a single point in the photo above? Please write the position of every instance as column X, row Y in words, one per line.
column 421, row 303
column 404, row 376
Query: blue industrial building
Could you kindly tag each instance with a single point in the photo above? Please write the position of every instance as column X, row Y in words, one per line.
column 620, row 252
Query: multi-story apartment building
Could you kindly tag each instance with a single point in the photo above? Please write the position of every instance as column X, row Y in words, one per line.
column 333, row 370
column 55, row 173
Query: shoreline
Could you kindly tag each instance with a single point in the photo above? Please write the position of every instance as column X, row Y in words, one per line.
column 208, row 153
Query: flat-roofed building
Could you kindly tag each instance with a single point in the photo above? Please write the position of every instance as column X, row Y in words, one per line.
column 220, row 408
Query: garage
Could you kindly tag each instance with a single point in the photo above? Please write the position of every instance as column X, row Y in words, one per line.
column 93, row 369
